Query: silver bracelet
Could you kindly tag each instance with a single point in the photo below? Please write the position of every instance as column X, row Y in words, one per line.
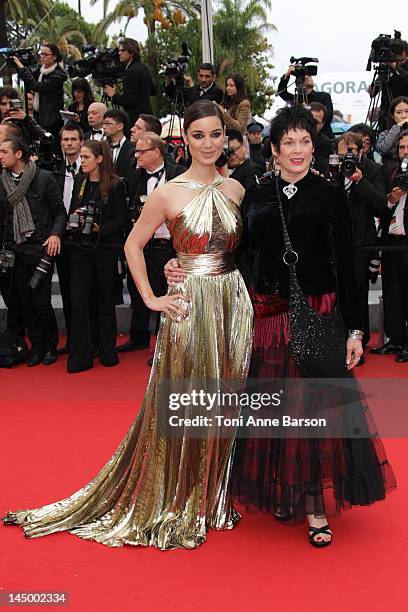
column 355, row 334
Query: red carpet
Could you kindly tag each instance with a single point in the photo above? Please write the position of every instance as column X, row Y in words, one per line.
column 59, row 429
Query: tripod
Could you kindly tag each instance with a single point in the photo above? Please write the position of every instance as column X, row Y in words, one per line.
column 380, row 87
column 300, row 98
column 177, row 111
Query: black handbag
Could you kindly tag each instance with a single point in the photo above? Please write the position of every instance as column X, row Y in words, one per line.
column 318, row 342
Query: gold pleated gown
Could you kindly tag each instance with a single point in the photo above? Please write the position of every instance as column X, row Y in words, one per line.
column 158, row 490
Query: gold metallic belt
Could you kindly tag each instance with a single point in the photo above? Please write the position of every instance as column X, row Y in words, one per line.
column 207, row 264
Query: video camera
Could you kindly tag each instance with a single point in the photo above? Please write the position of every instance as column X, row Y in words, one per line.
column 382, row 51
column 43, row 149
column 301, row 70
column 81, row 222
column 401, row 178
column 102, row 64
column 26, row 56
column 176, row 68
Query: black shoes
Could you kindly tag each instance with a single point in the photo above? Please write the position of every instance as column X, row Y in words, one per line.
column 316, row 531
column 386, row 349
column 402, row 357
column 361, row 361
column 132, row 345
column 50, row 357
column 35, row 357
column 150, row 362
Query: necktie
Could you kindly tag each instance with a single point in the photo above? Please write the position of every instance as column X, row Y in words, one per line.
column 71, row 168
column 156, row 174
column 115, row 146
column 201, row 91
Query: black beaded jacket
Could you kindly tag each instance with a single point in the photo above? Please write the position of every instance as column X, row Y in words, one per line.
column 319, row 226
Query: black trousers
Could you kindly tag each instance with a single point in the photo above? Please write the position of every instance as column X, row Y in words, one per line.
column 156, row 258
column 361, row 265
column 395, row 293
column 15, row 321
column 93, row 281
column 64, row 277
column 34, row 305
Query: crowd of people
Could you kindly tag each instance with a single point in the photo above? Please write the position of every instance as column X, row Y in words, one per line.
column 79, row 210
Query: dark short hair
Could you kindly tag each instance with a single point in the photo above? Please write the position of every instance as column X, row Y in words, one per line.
column 19, row 144
column 235, row 135
column 400, row 47
column 200, row 110
column 119, row 116
column 350, row 138
column 9, row 92
column 318, row 107
column 72, row 127
column 207, row 66
column 362, row 128
column 54, row 50
column 131, row 46
column 152, row 123
column 291, row 118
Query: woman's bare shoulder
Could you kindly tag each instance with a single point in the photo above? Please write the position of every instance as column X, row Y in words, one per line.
column 234, row 190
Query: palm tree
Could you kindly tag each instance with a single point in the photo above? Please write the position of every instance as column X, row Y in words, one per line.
column 63, row 32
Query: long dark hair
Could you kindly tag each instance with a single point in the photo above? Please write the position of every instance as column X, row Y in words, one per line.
column 231, row 102
column 107, row 175
column 393, row 104
column 200, row 110
column 81, row 84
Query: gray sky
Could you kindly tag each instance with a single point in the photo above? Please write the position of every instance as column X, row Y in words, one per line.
column 339, row 34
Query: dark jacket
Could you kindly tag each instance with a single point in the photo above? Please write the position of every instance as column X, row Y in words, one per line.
column 322, row 152
column 246, row 173
column 137, row 180
column 319, row 225
column 138, row 86
column 396, row 86
column 367, row 200
column 192, row 94
column 256, row 156
column 51, row 90
column 83, row 115
column 315, row 96
column 125, row 157
column 113, row 211
column 47, row 210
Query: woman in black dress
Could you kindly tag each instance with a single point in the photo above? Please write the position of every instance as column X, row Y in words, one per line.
column 291, row 478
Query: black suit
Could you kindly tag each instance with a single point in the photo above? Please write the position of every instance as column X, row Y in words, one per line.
column 314, row 96
column 246, row 173
column 367, row 200
column 157, row 254
column 138, row 86
column 124, row 159
column 193, row 94
column 63, row 259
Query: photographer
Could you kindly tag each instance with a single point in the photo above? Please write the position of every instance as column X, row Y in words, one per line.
column 312, row 96
column 32, row 207
column 243, row 169
column 47, row 82
column 206, row 88
column 138, row 85
column 98, row 209
column 367, row 136
column 255, row 145
column 394, row 228
column 366, row 190
column 11, row 111
column 71, row 140
column 152, row 170
column 397, row 84
column 397, row 123
column 82, row 99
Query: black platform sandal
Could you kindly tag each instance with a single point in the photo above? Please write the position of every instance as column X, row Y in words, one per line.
column 314, row 531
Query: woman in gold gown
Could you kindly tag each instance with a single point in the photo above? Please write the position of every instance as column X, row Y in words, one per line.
column 157, row 489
